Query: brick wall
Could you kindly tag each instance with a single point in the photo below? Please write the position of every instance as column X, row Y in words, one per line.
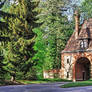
column 73, row 71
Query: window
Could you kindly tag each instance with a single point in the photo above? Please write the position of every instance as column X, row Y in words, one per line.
column 67, row 74
column 67, row 60
column 83, row 44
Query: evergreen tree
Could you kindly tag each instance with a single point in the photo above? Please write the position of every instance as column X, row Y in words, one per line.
column 4, row 14
column 19, row 50
column 3, row 38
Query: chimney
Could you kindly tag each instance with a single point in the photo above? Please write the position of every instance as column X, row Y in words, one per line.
column 76, row 23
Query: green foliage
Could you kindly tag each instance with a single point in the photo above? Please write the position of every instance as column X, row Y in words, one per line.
column 54, row 27
column 2, row 68
column 19, row 50
column 27, row 52
column 40, row 48
column 86, row 9
column 3, row 27
column 4, row 16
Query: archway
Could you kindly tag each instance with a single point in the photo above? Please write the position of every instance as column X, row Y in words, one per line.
column 82, row 69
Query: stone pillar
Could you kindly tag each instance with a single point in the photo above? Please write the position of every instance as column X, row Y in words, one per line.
column 74, row 77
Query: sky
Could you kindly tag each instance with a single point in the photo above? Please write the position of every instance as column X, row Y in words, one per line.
column 71, row 6
column 70, row 10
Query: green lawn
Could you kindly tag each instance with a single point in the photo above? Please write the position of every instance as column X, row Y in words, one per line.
column 31, row 81
column 42, row 81
column 19, row 82
column 78, row 84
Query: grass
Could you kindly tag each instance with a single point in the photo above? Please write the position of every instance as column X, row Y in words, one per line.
column 7, row 82
column 31, row 81
column 24, row 82
column 78, row 84
column 42, row 81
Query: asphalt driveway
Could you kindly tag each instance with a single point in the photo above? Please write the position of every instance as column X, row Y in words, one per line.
column 47, row 87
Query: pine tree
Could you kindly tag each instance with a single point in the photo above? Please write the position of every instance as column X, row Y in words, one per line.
column 19, row 50
column 3, row 38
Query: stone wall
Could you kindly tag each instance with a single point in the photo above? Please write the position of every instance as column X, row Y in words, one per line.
column 55, row 73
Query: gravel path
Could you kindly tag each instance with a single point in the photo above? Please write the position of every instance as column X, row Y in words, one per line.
column 47, row 87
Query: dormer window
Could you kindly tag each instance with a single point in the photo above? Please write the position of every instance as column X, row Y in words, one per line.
column 83, row 44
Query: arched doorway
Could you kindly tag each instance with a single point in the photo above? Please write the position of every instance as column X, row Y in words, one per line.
column 82, row 69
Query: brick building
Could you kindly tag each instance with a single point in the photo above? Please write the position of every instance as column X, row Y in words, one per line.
column 76, row 58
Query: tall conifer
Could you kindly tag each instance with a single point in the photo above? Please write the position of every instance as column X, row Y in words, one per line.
column 19, row 50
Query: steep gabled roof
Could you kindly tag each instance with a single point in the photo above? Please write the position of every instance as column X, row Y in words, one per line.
column 85, row 33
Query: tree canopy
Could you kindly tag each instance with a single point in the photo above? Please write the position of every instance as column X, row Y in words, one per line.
column 33, row 33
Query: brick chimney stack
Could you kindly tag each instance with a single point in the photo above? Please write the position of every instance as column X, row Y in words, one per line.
column 76, row 23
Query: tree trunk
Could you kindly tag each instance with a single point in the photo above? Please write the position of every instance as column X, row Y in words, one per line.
column 12, row 78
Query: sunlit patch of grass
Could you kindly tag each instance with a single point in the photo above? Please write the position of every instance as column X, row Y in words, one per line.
column 30, row 82
column 38, row 81
column 78, row 84
column 42, row 81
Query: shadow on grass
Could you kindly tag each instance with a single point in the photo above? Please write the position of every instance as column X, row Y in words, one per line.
column 7, row 82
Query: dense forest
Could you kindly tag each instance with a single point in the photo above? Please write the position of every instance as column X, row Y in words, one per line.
column 33, row 33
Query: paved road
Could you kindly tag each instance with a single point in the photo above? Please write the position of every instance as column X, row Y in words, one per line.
column 49, row 87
